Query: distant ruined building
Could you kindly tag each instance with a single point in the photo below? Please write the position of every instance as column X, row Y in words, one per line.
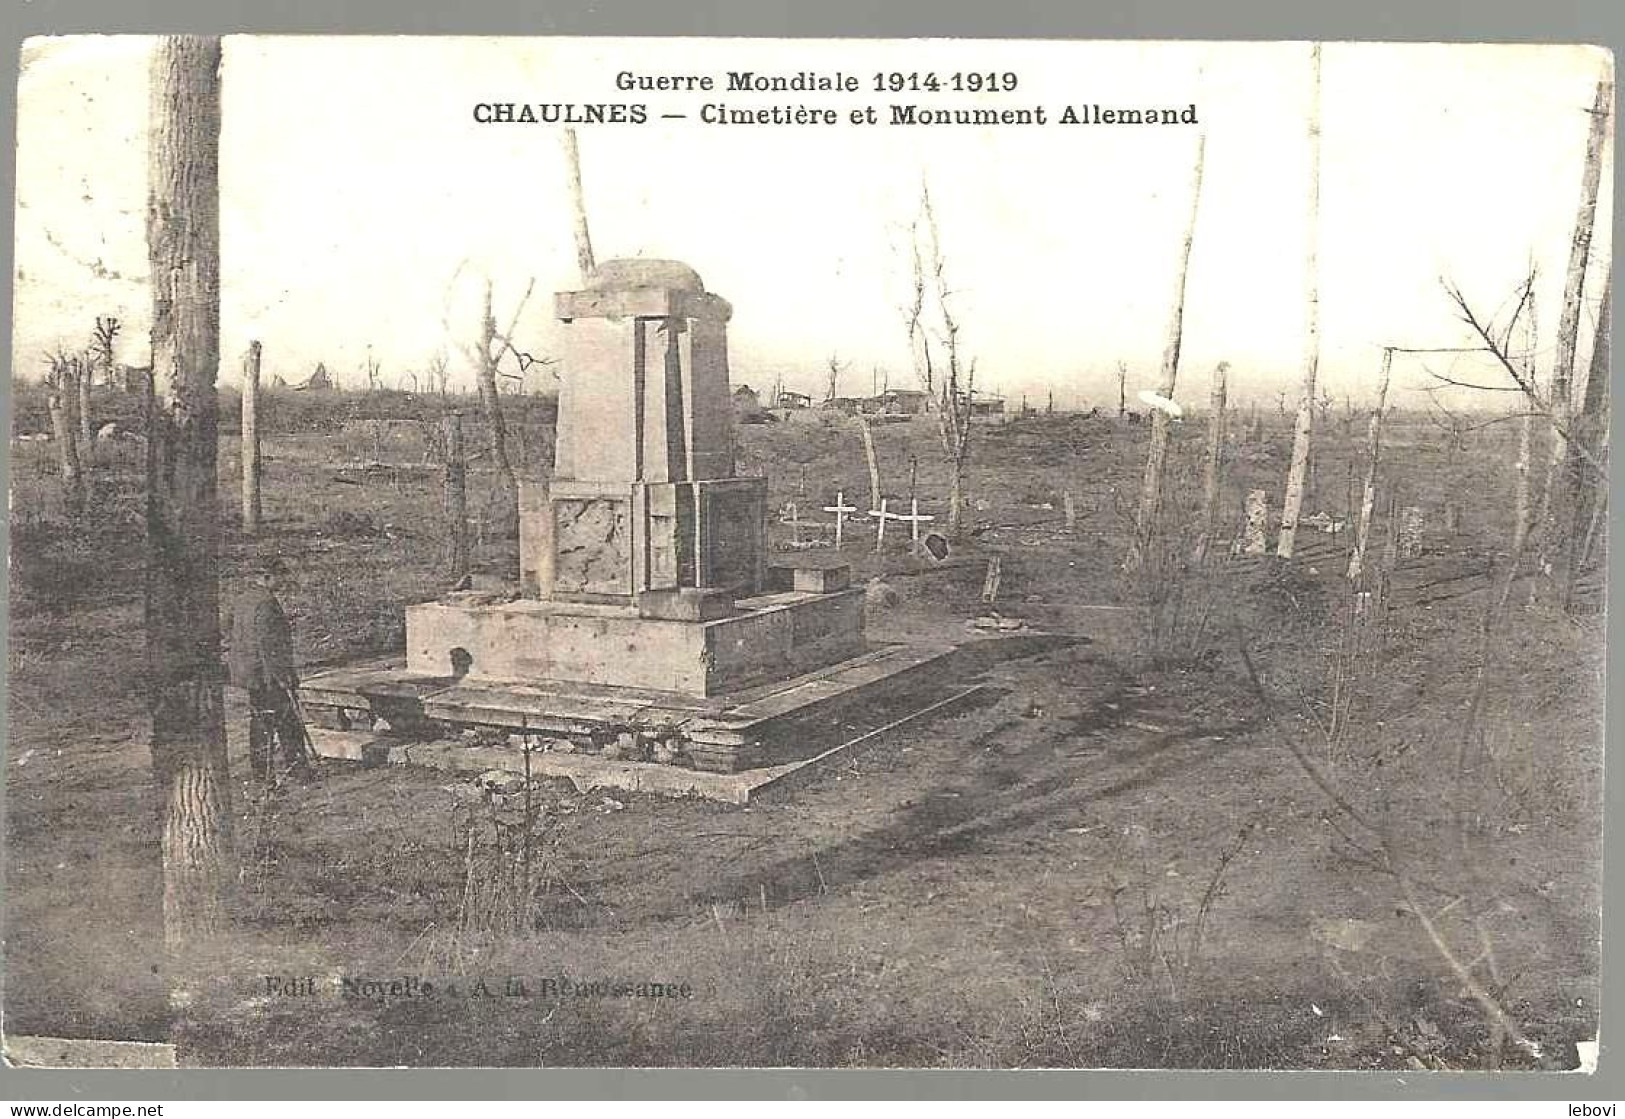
column 900, row 402
column 320, row 379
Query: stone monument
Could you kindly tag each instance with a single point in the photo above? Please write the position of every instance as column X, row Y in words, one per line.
column 647, row 610
column 644, row 508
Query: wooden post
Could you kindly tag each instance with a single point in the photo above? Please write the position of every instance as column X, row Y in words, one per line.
column 251, row 439
column 1213, row 468
column 184, row 688
column 456, row 497
column 1069, row 503
column 880, row 532
column 1146, row 523
column 990, row 582
column 869, row 457
column 1303, row 432
column 578, row 205
column 1373, row 450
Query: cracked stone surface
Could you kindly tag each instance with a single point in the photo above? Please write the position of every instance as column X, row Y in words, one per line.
column 592, row 547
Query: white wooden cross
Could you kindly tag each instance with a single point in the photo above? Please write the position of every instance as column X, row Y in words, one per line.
column 840, row 509
column 913, row 516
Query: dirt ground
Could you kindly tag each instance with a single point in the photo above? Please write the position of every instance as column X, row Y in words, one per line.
column 1113, row 860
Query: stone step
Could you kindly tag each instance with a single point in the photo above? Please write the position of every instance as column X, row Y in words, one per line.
column 349, row 745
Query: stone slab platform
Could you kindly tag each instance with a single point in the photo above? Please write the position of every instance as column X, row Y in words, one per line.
column 725, row 732
column 588, row 773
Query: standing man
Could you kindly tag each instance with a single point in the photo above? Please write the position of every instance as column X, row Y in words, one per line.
column 261, row 662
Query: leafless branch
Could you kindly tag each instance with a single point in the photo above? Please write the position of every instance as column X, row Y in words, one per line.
column 1519, row 377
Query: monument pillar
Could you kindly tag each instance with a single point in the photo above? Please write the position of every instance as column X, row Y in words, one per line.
column 644, row 508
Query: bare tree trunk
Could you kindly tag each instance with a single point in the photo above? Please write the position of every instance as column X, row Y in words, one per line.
column 1122, row 390
column 1521, row 467
column 956, row 433
column 1546, row 518
column 1303, row 433
column 1568, row 336
column 456, row 497
column 1213, row 469
column 952, row 395
column 87, row 433
column 1373, row 452
column 59, row 392
column 869, row 457
column 492, row 404
column 578, row 205
column 182, row 594
column 1589, row 425
column 71, row 375
column 1598, row 529
column 103, row 340
column 956, row 496
column 251, row 439
column 1146, row 524
column 1568, row 325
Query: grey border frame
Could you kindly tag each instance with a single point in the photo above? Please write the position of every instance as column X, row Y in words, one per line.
column 1597, row 22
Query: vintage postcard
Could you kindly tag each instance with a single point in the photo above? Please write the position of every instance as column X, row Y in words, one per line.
column 722, row 552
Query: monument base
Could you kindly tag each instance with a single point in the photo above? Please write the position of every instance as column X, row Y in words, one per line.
column 387, row 706
column 770, row 636
column 589, row 772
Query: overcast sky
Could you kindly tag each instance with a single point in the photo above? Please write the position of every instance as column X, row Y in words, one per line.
column 362, row 204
